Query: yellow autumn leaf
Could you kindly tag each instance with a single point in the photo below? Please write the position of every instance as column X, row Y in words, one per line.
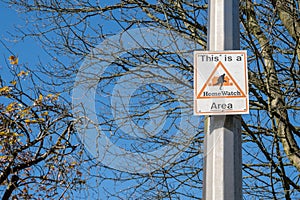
column 22, row 73
column 30, row 121
column 39, row 100
column 52, row 167
column 11, row 107
column 11, row 142
column 4, row 89
column 3, row 157
column 14, row 134
column 55, row 98
column 45, row 113
column 24, row 112
column 13, row 82
column 41, row 119
column 49, row 96
column 2, row 133
column 74, row 163
column 13, row 60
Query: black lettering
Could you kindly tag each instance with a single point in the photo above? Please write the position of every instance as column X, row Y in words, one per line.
column 228, row 58
column 209, row 58
column 239, row 58
column 216, row 59
column 202, row 57
column 213, row 106
column 224, row 93
column 222, row 106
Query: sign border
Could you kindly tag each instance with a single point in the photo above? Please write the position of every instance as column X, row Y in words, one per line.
column 223, row 112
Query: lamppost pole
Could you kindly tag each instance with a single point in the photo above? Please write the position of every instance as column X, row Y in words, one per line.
column 223, row 154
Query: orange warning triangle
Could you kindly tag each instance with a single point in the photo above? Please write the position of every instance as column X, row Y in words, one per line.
column 228, row 80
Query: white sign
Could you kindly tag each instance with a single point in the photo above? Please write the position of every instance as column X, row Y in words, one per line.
column 220, row 83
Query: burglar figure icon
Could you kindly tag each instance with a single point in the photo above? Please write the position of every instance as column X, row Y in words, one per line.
column 221, row 81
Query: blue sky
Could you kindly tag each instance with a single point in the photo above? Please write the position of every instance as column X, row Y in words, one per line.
column 28, row 50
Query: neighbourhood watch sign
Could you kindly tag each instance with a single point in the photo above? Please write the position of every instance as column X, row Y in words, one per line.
column 220, row 83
